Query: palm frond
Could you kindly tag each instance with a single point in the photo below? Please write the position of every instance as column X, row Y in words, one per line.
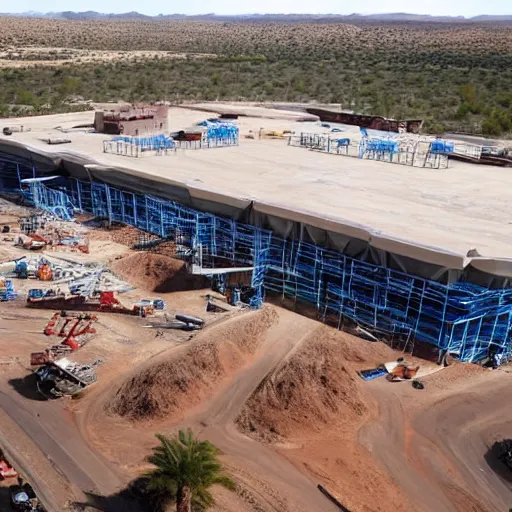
column 225, row 480
column 184, row 461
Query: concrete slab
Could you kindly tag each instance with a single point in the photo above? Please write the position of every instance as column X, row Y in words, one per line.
column 456, row 209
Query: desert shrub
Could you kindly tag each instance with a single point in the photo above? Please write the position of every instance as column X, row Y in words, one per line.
column 457, row 76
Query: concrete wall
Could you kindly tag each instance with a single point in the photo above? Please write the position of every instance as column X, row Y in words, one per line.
column 158, row 123
column 143, row 126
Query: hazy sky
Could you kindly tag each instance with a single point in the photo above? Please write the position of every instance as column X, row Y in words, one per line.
column 152, row 7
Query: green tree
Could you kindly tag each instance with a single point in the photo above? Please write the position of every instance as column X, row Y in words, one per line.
column 215, row 78
column 26, row 98
column 69, row 85
column 185, row 469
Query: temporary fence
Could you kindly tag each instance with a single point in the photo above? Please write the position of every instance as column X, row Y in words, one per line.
column 214, row 135
column 221, row 134
column 138, row 146
column 403, row 150
column 469, row 321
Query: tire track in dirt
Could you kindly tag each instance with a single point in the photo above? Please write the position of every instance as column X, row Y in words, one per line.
column 386, row 439
column 61, row 443
column 437, row 453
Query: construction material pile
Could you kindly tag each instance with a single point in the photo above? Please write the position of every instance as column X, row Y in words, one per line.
column 135, row 146
column 65, row 377
column 40, row 267
column 43, row 230
column 182, row 322
column 81, row 278
column 219, row 132
column 93, row 281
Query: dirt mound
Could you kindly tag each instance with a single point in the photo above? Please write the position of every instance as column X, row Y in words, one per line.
column 182, row 379
column 312, row 406
column 157, row 273
column 313, row 387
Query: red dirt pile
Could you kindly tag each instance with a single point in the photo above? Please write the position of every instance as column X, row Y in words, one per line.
column 312, row 406
column 183, row 378
column 316, row 385
column 157, row 273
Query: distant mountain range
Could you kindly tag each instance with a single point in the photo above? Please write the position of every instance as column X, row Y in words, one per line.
column 398, row 16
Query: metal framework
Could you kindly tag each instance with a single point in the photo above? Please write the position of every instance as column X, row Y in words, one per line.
column 216, row 135
column 469, row 321
column 403, row 149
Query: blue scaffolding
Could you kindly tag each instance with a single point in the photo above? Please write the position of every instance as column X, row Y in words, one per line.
column 469, row 321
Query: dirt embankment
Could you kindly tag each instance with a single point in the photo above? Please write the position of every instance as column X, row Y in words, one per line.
column 180, row 380
column 311, row 407
column 157, row 273
column 120, row 234
column 313, row 387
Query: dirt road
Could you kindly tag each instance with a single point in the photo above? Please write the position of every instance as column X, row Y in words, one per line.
column 216, row 422
column 437, row 452
column 23, row 466
column 61, row 443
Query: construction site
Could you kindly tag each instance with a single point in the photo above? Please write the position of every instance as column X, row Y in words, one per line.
column 329, row 304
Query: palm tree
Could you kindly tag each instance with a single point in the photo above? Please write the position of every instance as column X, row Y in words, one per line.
column 185, row 468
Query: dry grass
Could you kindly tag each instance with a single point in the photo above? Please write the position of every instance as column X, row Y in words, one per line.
column 18, row 57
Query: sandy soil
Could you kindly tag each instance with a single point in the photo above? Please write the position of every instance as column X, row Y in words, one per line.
column 310, row 407
column 23, row 57
column 439, row 439
column 43, row 435
column 247, row 348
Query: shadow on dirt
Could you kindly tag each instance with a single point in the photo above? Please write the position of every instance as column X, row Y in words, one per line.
column 134, row 498
column 27, row 387
column 495, row 458
column 182, row 281
column 5, row 499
